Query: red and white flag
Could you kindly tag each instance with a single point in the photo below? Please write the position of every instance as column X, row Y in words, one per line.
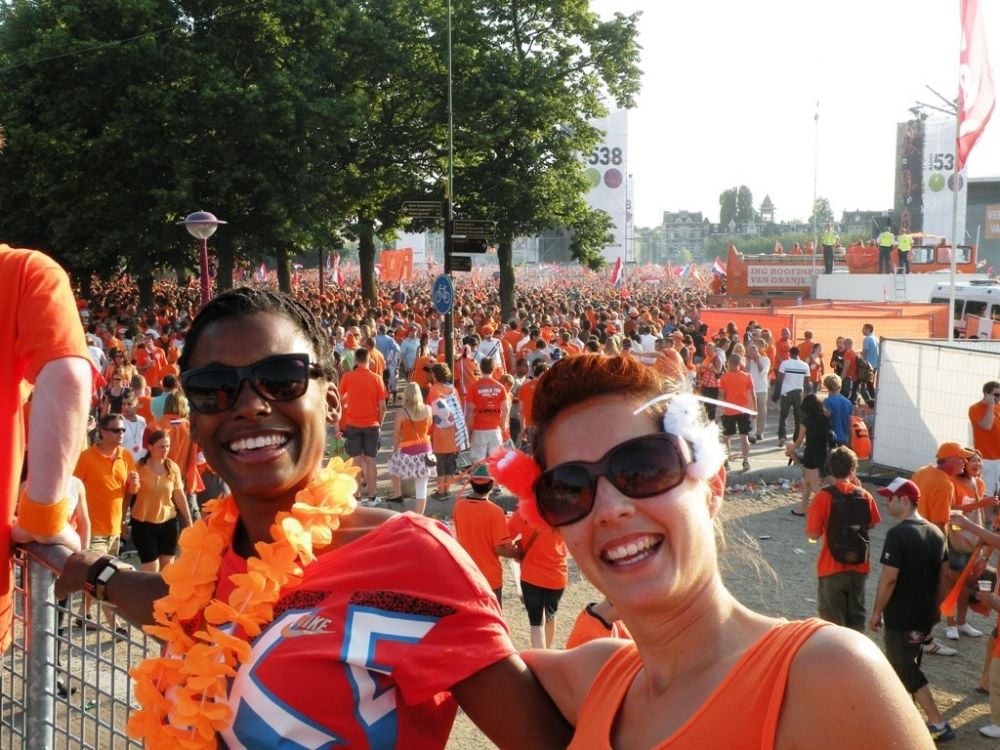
column 718, row 268
column 976, row 95
column 617, row 273
column 261, row 274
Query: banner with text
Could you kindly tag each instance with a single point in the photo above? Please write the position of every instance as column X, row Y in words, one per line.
column 992, row 229
column 938, row 180
column 606, row 169
column 782, row 276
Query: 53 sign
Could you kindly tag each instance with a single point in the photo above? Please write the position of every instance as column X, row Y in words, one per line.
column 941, row 162
column 605, row 156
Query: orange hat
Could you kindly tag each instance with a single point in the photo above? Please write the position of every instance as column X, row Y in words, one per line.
column 486, row 330
column 953, row 450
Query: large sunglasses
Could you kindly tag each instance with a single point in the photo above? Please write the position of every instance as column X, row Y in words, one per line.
column 642, row 467
column 214, row 389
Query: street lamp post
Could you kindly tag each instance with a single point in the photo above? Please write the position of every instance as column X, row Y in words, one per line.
column 201, row 225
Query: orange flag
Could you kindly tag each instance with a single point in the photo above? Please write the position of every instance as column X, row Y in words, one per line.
column 950, row 602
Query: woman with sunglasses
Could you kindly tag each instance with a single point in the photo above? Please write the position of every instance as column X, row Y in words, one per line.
column 635, row 487
column 298, row 617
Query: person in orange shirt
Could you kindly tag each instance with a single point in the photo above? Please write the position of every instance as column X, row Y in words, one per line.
column 636, row 505
column 849, row 372
column 363, row 395
column 984, row 415
column 782, row 347
column 481, row 528
column 736, row 387
column 597, row 620
column 449, row 434
column 41, row 343
column 108, row 473
column 526, row 395
column 544, row 575
column 841, row 592
column 937, row 491
column 806, row 346
column 486, row 412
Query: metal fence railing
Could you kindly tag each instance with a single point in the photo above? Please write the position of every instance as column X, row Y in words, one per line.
column 64, row 683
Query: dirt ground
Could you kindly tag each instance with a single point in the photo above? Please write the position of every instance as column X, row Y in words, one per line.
column 760, row 521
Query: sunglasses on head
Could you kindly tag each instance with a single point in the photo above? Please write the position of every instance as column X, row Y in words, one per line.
column 642, row 467
column 214, row 388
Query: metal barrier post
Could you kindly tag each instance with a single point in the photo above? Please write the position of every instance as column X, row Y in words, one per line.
column 41, row 652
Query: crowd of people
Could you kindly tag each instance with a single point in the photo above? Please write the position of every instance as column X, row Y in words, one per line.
column 219, row 419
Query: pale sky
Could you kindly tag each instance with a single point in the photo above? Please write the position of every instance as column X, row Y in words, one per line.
column 730, row 88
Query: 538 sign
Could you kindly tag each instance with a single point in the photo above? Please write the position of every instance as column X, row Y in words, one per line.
column 605, row 156
column 941, row 162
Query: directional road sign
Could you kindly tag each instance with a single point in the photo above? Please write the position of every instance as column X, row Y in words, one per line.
column 422, row 209
column 443, row 293
column 478, row 228
column 468, row 245
column 460, row 263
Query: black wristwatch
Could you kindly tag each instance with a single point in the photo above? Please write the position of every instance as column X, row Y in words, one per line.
column 100, row 573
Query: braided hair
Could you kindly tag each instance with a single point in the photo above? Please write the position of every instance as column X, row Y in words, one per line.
column 244, row 301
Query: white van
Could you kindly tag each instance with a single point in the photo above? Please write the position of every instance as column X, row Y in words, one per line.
column 979, row 297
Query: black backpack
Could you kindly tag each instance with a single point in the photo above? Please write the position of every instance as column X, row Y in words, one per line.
column 847, row 527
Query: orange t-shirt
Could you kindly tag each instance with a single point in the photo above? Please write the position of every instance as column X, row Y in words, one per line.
column 850, row 368
column 183, row 451
column 154, row 503
column 746, row 702
column 987, row 442
column 526, row 395
column 105, row 480
column 480, row 526
column 781, row 348
column 40, row 324
column 736, row 387
column 488, row 396
column 805, row 349
column 589, row 626
column 376, row 362
column 819, row 515
column 544, row 561
column 937, row 494
column 361, row 391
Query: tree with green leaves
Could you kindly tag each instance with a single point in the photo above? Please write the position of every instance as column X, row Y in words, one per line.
column 529, row 78
column 727, row 206
column 745, row 212
column 822, row 213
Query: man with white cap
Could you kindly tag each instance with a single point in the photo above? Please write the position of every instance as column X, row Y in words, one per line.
column 914, row 579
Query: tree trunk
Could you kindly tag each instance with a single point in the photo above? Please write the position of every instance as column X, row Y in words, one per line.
column 505, row 255
column 366, row 260
column 145, row 283
column 281, row 263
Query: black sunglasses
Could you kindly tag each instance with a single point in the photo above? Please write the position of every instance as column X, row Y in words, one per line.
column 641, row 467
column 213, row 389
column 116, row 430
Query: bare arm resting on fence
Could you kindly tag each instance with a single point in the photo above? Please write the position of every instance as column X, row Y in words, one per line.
column 131, row 592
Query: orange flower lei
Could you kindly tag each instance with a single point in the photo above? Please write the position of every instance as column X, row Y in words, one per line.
column 183, row 692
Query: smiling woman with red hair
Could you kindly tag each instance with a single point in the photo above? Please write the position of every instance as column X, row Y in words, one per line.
column 632, row 477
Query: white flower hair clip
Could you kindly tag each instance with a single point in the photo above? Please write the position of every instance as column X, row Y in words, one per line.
column 686, row 419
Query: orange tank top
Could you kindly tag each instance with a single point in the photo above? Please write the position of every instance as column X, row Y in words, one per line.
column 742, row 713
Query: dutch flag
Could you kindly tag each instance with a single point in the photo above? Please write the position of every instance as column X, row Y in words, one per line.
column 616, row 273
